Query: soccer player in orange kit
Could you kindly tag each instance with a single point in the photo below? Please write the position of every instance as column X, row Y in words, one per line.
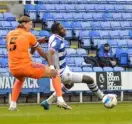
column 19, row 41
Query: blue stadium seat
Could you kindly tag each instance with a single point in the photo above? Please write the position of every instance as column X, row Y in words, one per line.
column 94, row 34
column 43, row 33
column 87, row 69
column 3, row 33
column 125, row 25
column 88, row 16
column 6, row 25
column 122, row 43
column 97, row 69
column 100, row 42
column 129, row 43
column 96, row 25
column 126, row 16
column 3, row 72
column 70, row 61
column 80, row 8
column 76, row 25
column 130, row 33
column 104, row 34
column 118, row 69
column 124, row 34
column 14, row 24
column 84, row 34
column 35, row 32
column 89, row 7
column 68, row 34
column 108, row 69
column 120, row 8
column 81, row 52
column 86, row 25
column 3, row 62
column 76, row 69
column 78, row 16
column 113, row 43
column 108, row 16
column 98, row 16
column 79, row 61
column 100, row 7
column 114, row 34
column 40, row 10
column 60, row 8
column 50, row 8
column 70, row 8
column 128, row 8
column 66, row 24
column 85, row 43
column 67, row 43
column 9, row 16
column 71, row 52
column 117, row 16
column 68, row 16
column 59, row 17
column 115, row 25
column 2, row 42
column 109, row 8
column 106, row 25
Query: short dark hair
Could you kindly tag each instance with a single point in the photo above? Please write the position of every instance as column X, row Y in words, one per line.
column 106, row 45
column 54, row 27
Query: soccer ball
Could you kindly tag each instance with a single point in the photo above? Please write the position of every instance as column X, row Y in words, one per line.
column 110, row 101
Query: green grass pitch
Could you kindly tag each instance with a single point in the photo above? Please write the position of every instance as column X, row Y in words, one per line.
column 81, row 114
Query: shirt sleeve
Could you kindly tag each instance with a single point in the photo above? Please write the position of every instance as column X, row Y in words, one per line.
column 55, row 45
column 33, row 41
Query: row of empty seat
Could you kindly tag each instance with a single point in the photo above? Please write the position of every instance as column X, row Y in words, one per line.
column 7, row 16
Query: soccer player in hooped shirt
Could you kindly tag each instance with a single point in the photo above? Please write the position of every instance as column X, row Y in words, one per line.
column 57, row 58
column 21, row 66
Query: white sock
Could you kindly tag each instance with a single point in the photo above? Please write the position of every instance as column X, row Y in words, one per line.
column 13, row 104
column 51, row 98
column 60, row 99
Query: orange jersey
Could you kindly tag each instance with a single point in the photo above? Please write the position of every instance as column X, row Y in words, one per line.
column 18, row 43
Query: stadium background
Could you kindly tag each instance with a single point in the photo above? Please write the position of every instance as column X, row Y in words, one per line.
column 100, row 20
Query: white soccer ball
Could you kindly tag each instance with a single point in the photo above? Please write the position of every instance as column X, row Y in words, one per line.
column 110, row 101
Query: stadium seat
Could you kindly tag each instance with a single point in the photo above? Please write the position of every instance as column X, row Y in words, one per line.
column 129, row 43
column 67, row 43
column 100, row 7
column 104, row 34
column 120, row 8
column 118, row 69
column 96, row 25
column 43, row 33
column 126, row 16
column 89, row 7
column 125, row 25
column 81, row 52
column 76, row 25
column 79, row 61
column 128, row 8
column 58, row 17
column 14, row 24
column 35, row 32
column 76, row 69
column 71, row 52
column 86, row 25
column 84, row 34
column 97, row 69
column 108, row 16
column 115, row 25
column 87, row 69
column 98, row 16
column 70, row 8
column 101, row 42
column 68, row 16
column 3, row 72
column 2, row 42
column 60, row 8
column 114, row 34
column 3, row 62
column 106, row 25
column 109, row 8
column 108, row 69
column 70, row 61
column 3, row 33
column 66, row 24
column 113, row 43
column 124, row 34
column 88, row 16
column 50, row 8
column 9, row 16
column 6, row 25
column 94, row 34
column 122, row 43
column 85, row 43
column 69, row 35
column 80, row 8
column 78, row 16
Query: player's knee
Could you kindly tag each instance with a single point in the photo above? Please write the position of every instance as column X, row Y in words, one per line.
column 69, row 86
column 87, row 79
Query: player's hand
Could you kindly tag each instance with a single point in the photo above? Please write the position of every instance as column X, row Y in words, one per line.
column 54, row 72
column 42, row 40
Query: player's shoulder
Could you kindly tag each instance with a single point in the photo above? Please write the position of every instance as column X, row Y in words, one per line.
column 54, row 38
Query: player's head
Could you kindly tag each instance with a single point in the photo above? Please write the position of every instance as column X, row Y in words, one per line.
column 25, row 22
column 57, row 28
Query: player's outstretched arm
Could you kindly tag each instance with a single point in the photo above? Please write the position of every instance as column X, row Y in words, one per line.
column 41, row 52
column 50, row 57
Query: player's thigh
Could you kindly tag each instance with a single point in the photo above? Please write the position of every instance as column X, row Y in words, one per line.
column 38, row 71
column 71, row 77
